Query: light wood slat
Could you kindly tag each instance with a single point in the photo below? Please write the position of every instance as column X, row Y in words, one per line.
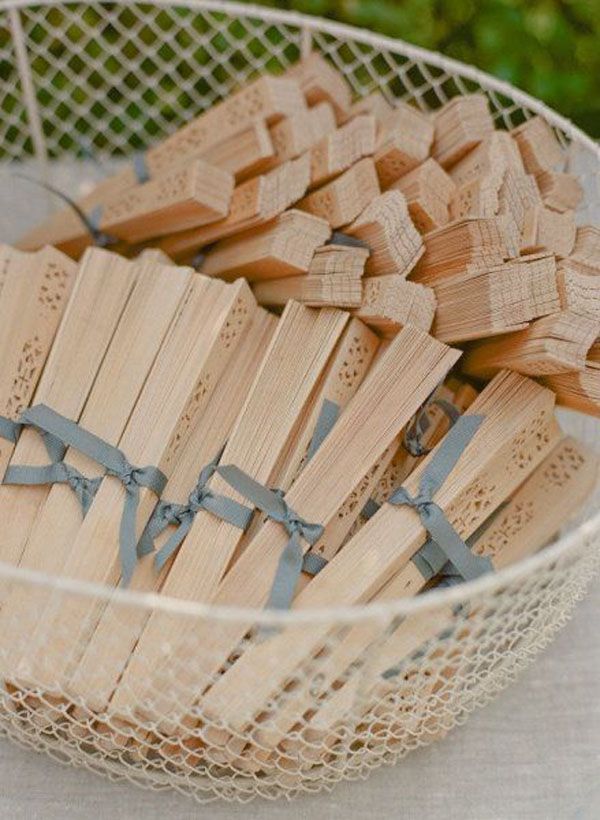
column 540, row 150
column 390, row 473
column 412, row 365
column 320, row 82
column 386, row 228
column 545, row 229
column 586, row 250
column 341, row 201
column 154, row 301
column 254, row 203
column 403, row 463
column 552, row 494
column 374, row 103
column 342, row 290
column 189, row 197
column 404, row 141
column 579, row 390
column 492, row 462
column 154, row 255
column 348, row 366
column 448, row 250
column 478, row 198
column 495, row 154
column 561, row 192
column 390, row 303
column 292, row 365
column 283, row 247
column 116, row 635
column 579, row 292
column 460, row 125
column 341, row 149
column 34, row 293
column 245, row 154
column 265, row 99
column 297, row 133
column 517, row 195
column 553, row 344
column 175, row 394
column 333, row 259
column 100, row 294
column 428, row 190
column 491, row 301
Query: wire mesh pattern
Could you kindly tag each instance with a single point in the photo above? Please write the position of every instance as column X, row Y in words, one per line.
column 384, row 679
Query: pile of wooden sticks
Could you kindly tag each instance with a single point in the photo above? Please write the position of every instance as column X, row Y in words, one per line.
column 378, row 235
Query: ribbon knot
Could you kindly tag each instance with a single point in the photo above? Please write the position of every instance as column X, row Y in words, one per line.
column 183, row 515
column 444, row 538
column 274, row 505
column 198, row 498
column 62, row 432
column 84, row 488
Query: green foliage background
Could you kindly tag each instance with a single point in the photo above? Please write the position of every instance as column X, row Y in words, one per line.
column 82, row 57
column 550, row 48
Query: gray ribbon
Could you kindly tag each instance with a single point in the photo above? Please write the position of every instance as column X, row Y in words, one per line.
column 115, row 463
column 274, row 505
column 140, row 167
column 412, row 440
column 91, row 221
column 432, row 516
column 57, row 473
column 9, row 429
column 183, row 515
column 339, row 238
column 329, row 414
column 421, row 424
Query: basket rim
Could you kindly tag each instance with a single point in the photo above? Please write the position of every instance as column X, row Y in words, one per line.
column 343, row 30
column 436, row 598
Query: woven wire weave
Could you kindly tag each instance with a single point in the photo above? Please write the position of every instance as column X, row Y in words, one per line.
column 387, row 677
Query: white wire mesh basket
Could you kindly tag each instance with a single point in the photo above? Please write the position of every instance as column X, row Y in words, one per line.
column 384, row 678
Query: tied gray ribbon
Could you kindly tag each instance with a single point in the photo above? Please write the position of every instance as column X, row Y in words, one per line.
column 328, row 415
column 140, row 167
column 183, row 515
column 313, row 563
column 91, row 221
column 115, row 463
column 9, row 429
column 274, row 505
column 432, row 516
column 412, row 439
column 57, row 473
column 340, row 238
column 421, row 424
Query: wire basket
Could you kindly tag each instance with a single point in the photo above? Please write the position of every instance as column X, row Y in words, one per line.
column 386, row 678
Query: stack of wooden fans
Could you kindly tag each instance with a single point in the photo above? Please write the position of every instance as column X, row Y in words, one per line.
column 280, row 282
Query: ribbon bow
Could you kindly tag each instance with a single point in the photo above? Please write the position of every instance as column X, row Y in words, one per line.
column 274, row 505
column 432, row 516
column 183, row 515
column 115, row 463
column 57, row 473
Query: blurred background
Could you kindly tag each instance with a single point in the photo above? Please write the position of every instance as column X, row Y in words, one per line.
column 550, row 48
column 110, row 77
